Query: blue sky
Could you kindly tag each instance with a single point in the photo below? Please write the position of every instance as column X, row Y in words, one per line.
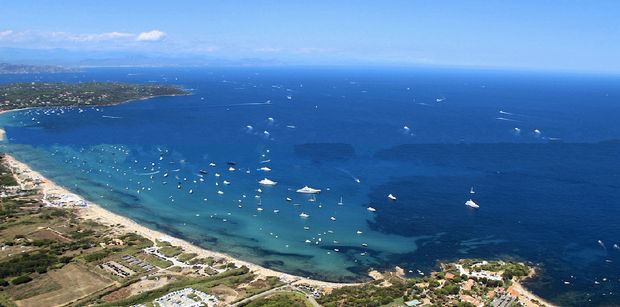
column 536, row 34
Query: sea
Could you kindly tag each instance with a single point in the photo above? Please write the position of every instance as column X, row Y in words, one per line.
column 539, row 152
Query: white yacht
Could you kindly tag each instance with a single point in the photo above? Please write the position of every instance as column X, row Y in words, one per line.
column 303, row 215
column 391, row 197
column 472, row 204
column 267, row 182
column 371, row 209
column 308, row 190
column 264, row 169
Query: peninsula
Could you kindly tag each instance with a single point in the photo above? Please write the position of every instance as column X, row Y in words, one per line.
column 6, row 68
column 57, row 94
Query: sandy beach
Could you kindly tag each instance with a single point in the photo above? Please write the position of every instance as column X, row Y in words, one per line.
column 95, row 212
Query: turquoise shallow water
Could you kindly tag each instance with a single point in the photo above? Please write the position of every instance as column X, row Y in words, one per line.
column 546, row 189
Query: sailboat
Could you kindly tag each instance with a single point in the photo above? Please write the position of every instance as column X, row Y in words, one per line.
column 340, row 203
column 471, row 191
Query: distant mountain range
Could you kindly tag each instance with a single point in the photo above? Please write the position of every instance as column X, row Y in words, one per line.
column 6, row 68
column 73, row 58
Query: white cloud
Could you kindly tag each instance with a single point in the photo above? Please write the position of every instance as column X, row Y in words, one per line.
column 5, row 34
column 151, row 36
column 96, row 37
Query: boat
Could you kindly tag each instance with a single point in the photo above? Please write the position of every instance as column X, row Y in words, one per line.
column 391, row 197
column 471, row 191
column 259, row 209
column 371, row 209
column 472, row 204
column 303, row 215
column 289, row 199
column 264, row 169
column 332, row 218
column 212, row 164
column 202, row 172
column 231, row 169
column 276, row 210
column 308, row 190
column 359, row 232
column 267, row 182
column 340, row 203
column 226, row 182
column 220, row 192
column 312, row 198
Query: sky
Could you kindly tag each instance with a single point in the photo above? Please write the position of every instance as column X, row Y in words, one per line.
column 577, row 35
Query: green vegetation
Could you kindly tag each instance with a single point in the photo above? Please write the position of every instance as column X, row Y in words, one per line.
column 184, row 257
column 369, row 294
column 27, row 263
column 170, row 251
column 39, row 94
column 282, row 299
column 21, row 280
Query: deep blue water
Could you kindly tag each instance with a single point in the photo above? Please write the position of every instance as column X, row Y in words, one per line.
column 548, row 190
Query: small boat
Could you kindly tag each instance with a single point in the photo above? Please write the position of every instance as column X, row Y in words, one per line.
column 226, row 182
column 212, row 164
column 264, row 169
column 259, row 209
column 220, row 192
column 165, row 175
column 231, row 169
column 371, row 209
column 303, row 215
column 191, row 191
column 308, row 190
column 306, row 228
column 312, row 199
column 217, row 174
column 365, row 244
column 332, row 218
column 471, row 191
column 267, row 182
column 308, row 241
column 276, row 211
column 359, row 232
column 340, row 203
column 289, row 199
column 202, row 172
column 472, row 204
column 391, row 197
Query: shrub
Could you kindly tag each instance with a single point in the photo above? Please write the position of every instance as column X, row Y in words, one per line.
column 21, row 280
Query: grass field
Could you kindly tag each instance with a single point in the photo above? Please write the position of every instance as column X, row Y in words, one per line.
column 75, row 282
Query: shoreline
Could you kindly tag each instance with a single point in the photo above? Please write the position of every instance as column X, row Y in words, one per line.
column 93, row 211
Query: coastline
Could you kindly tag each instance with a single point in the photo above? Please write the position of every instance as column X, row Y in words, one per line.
column 119, row 223
column 92, row 211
